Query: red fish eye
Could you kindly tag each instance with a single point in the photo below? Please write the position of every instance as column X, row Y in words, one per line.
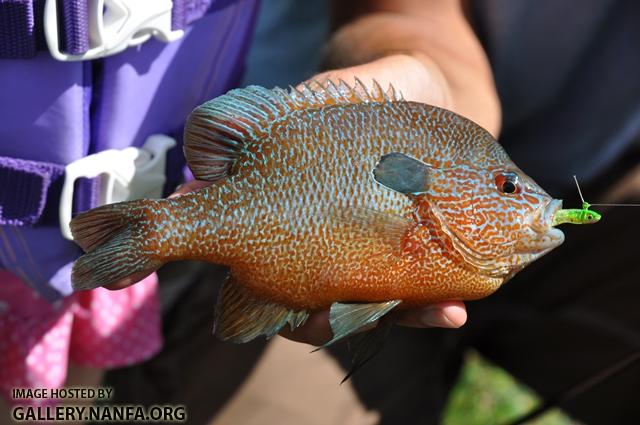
column 508, row 183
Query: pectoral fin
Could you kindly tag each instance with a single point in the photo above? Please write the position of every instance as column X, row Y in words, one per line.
column 391, row 228
column 402, row 173
column 345, row 319
column 241, row 317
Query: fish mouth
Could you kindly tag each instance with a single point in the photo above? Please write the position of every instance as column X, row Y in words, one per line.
column 543, row 217
column 542, row 238
column 548, row 236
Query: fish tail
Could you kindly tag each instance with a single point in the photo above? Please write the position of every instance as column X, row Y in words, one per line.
column 112, row 236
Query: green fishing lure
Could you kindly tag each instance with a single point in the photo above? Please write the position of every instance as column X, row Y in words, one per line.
column 576, row 216
column 584, row 215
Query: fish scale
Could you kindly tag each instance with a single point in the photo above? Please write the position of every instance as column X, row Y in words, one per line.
column 312, row 186
column 330, row 196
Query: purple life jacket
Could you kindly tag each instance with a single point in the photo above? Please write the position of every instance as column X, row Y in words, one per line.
column 53, row 113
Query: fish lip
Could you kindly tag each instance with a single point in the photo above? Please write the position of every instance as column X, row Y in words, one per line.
column 543, row 218
column 543, row 225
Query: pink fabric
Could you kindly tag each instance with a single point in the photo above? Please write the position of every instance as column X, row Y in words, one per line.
column 97, row 328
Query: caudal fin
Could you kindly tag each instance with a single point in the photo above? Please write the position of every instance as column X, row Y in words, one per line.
column 112, row 238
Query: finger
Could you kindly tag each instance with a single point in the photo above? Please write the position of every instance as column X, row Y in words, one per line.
column 189, row 186
column 450, row 314
column 417, row 82
column 315, row 331
column 129, row 280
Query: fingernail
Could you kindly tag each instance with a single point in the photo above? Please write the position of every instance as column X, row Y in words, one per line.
column 437, row 319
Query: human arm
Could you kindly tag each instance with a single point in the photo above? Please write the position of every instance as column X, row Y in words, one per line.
column 428, row 50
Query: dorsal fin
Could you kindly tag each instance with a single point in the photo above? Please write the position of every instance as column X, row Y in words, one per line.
column 218, row 131
column 317, row 94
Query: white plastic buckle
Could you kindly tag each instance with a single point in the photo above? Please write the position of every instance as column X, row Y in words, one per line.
column 114, row 25
column 130, row 173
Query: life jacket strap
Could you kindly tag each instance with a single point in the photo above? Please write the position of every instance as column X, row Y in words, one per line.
column 42, row 193
column 89, row 29
column 26, row 186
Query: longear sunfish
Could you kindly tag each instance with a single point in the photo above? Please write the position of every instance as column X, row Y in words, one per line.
column 330, row 197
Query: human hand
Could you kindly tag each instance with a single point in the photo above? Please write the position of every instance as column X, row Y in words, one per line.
column 418, row 80
column 449, row 314
column 415, row 77
column 428, row 51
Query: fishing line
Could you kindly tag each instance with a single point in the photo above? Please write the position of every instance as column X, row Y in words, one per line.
column 600, row 205
column 624, row 364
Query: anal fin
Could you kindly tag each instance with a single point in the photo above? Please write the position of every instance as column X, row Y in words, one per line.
column 241, row 317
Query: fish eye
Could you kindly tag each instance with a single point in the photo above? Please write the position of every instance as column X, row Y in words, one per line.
column 508, row 183
column 589, row 217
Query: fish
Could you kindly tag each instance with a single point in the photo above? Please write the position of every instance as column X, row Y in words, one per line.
column 330, row 196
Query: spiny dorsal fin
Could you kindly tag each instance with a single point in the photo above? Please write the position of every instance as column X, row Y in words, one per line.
column 218, row 131
column 317, row 94
column 241, row 317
